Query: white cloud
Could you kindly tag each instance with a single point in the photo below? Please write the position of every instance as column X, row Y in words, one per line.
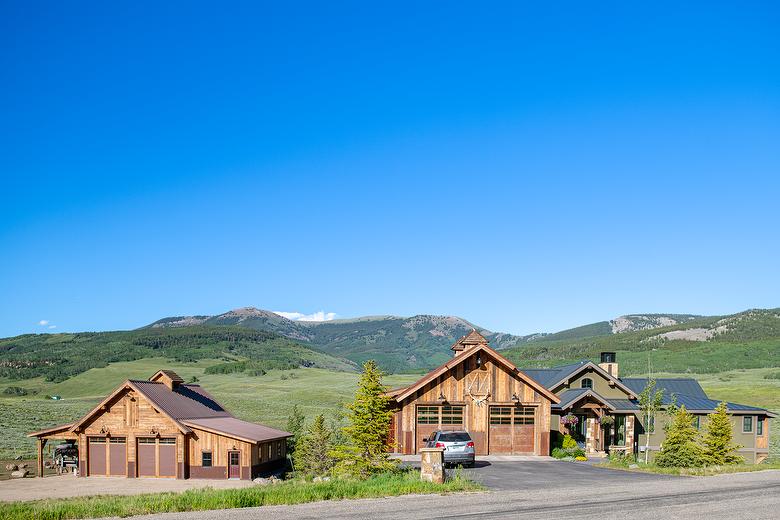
column 299, row 316
column 52, row 326
column 43, row 323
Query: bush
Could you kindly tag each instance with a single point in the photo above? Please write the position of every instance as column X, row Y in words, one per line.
column 572, row 453
column 680, row 448
column 15, row 391
column 568, row 442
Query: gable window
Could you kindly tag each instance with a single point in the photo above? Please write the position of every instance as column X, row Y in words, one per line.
column 587, row 383
column 747, row 424
column 760, row 426
column 205, row 460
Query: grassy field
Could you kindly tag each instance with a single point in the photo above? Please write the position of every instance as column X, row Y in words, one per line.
column 267, row 399
column 291, row 492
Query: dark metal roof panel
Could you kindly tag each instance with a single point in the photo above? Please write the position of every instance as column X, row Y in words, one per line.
column 670, row 385
column 184, row 402
column 232, row 427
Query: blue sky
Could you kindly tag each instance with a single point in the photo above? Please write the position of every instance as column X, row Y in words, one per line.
column 528, row 169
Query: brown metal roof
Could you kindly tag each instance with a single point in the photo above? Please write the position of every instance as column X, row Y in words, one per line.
column 183, row 402
column 236, row 428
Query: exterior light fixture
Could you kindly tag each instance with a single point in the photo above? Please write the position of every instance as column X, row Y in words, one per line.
column 479, row 360
column 515, row 399
column 441, row 397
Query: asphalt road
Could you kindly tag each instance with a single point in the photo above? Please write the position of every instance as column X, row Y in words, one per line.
column 585, row 495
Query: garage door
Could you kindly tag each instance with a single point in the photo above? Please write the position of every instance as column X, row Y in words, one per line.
column 97, row 455
column 156, row 457
column 436, row 417
column 117, row 456
column 512, row 429
column 167, row 467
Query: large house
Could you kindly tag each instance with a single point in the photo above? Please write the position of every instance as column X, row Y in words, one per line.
column 508, row 410
column 164, row 427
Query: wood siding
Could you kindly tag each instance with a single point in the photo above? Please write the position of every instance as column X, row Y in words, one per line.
column 475, row 388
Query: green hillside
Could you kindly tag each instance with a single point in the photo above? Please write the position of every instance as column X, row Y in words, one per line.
column 750, row 339
column 57, row 357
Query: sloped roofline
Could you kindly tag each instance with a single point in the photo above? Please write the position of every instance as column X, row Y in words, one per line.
column 127, row 384
column 460, row 358
column 598, row 369
column 589, row 393
column 53, row 429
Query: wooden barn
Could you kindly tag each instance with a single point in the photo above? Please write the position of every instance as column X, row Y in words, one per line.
column 480, row 391
column 165, row 428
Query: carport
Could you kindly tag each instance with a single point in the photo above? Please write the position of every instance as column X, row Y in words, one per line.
column 61, row 432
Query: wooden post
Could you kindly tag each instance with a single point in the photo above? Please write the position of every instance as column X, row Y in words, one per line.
column 41, row 444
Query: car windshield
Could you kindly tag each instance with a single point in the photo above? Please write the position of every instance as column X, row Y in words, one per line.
column 454, row 437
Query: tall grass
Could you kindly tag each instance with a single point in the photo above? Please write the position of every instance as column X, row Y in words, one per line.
column 290, row 492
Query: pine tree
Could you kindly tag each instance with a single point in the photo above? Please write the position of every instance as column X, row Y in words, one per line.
column 718, row 444
column 680, row 448
column 369, row 418
column 312, row 452
column 295, row 423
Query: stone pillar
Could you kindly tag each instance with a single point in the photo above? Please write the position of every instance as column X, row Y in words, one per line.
column 432, row 465
column 590, row 435
column 630, row 434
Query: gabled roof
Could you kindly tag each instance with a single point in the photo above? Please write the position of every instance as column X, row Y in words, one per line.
column 183, row 402
column 170, row 374
column 238, row 429
column 402, row 393
column 186, row 405
column 124, row 386
column 566, row 372
column 549, row 376
column 670, row 385
column 53, row 430
column 573, row 396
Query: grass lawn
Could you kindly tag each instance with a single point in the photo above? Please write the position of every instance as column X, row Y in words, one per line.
column 267, row 399
column 696, row 472
column 291, row 492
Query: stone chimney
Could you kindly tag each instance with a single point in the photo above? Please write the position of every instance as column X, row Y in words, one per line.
column 609, row 363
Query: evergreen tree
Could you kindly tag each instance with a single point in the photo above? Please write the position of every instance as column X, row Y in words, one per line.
column 680, row 448
column 718, row 444
column 295, row 423
column 369, row 418
column 312, row 453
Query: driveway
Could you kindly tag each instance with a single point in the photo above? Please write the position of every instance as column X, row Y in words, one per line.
column 63, row 486
column 536, row 475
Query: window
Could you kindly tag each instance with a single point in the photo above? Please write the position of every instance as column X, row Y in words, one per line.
column 697, row 421
column 428, row 415
column 117, row 440
column 452, row 415
column 454, row 437
column 651, row 424
column 167, row 440
column 747, row 424
column 512, row 415
column 440, row 414
column 760, row 426
column 620, row 431
column 587, row 383
column 279, row 449
column 205, row 459
column 500, row 415
column 97, row 440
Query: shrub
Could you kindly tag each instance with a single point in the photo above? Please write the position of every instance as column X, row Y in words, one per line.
column 15, row 391
column 561, row 453
column 568, row 442
column 312, row 452
column 680, row 448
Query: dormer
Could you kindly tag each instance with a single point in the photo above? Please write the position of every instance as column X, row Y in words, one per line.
column 168, row 377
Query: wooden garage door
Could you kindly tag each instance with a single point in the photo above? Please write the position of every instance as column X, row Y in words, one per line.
column 167, row 454
column 436, row 417
column 117, row 456
column 156, row 457
column 512, row 429
column 147, row 457
column 97, row 455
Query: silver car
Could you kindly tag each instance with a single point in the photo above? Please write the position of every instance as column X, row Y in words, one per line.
column 458, row 446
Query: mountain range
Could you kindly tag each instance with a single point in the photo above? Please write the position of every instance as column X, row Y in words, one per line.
column 404, row 343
